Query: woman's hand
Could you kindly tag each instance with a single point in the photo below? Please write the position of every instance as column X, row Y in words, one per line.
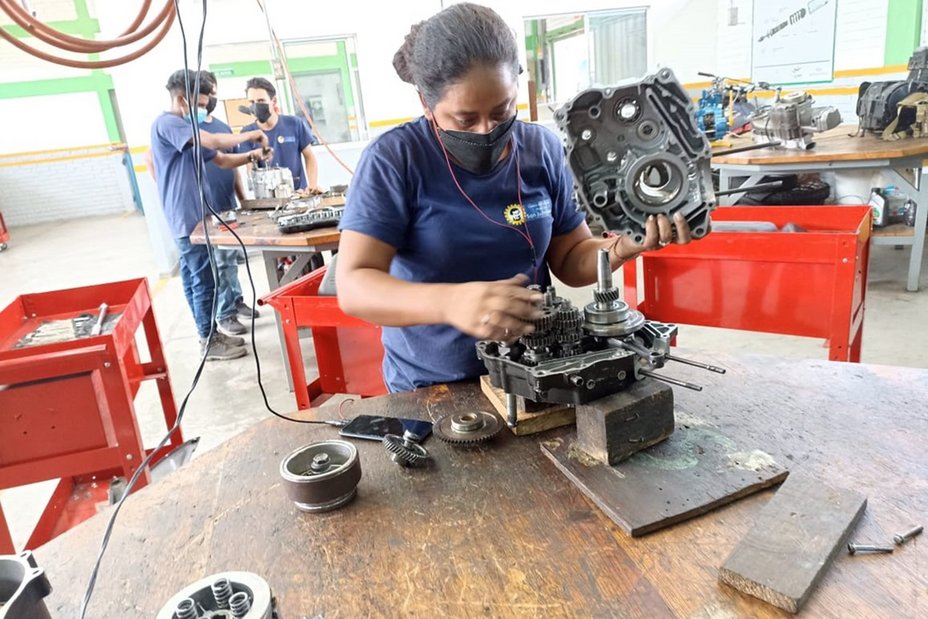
column 501, row 310
column 658, row 234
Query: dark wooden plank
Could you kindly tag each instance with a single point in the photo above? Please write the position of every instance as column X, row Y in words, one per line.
column 498, row 531
column 530, row 422
column 694, row 471
column 795, row 538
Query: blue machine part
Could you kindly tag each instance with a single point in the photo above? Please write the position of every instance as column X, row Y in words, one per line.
column 711, row 116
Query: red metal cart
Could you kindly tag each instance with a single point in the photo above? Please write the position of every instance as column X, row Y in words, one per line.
column 811, row 283
column 66, row 403
column 349, row 353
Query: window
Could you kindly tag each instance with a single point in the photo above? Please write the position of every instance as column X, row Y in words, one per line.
column 568, row 53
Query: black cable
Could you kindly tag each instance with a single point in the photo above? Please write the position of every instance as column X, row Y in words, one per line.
column 192, row 104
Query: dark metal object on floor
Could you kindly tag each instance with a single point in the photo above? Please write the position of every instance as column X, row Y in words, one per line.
column 23, row 587
column 322, row 476
column 468, row 428
column 405, row 450
column 634, row 151
column 227, row 595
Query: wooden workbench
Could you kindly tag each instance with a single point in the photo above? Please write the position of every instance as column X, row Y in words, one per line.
column 499, row 532
column 838, row 150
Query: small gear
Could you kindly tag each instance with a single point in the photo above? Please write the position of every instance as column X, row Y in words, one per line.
column 467, row 428
column 609, row 295
column 568, row 318
column 405, row 451
column 546, row 322
column 539, row 340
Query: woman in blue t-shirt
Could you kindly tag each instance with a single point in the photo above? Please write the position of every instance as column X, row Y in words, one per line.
column 451, row 216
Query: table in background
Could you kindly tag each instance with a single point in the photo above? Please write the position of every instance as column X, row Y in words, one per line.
column 498, row 531
column 836, row 151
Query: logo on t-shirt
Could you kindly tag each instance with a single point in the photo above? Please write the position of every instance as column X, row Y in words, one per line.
column 514, row 214
column 288, row 138
column 538, row 210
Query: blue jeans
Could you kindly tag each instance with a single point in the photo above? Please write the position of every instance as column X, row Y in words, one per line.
column 197, row 278
column 230, row 289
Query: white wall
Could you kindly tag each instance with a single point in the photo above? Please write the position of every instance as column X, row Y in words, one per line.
column 31, row 122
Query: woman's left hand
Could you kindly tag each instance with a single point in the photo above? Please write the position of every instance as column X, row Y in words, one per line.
column 658, row 234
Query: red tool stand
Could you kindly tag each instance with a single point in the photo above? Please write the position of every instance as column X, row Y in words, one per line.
column 4, row 233
column 810, row 283
column 66, row 407
column 349, row 353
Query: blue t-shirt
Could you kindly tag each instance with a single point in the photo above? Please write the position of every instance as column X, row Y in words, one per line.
column 403, row 194
column 221, row 181
column 172, row 150
column 288, row 138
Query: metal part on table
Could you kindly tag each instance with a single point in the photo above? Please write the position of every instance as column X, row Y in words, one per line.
column 23, row 587
column 67, row 330
column 911, row 118
column 792, row 120
column 405, row 450
column 319, row 218
column 864, row 548
column 322, row 476
column 635, row 150
column 574, row 360
column 877, row 102
column 271, row 183
column 227, row 595
column 468, row 428
column 901, row 538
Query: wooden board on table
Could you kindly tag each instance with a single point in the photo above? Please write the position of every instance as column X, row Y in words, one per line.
column 833, row 145
column 694, row 471
column 795, row 538
column 530, row 422
column 900, row 230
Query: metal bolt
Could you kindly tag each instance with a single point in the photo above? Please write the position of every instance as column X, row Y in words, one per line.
column 904, row 537
column 320, row 462
column 855, row 548
column 107, row 364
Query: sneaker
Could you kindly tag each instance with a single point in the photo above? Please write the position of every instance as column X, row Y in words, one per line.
column 246, row 312
column 219, row 350
column 231, row 340
column 231, row 326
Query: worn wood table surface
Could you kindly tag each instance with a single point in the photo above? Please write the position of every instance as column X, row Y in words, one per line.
column 499, row 532
column 833, row 145
column 256, row 229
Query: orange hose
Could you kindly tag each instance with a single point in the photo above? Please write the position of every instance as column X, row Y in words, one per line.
column 69, row 43
column 93, row 64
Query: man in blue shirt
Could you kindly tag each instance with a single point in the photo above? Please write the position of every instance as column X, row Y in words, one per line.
column 173, row 153
column 224, row 186
column 290, row 136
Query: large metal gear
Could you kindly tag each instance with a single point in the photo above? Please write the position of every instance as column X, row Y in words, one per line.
column 546, row 322
column 467, row 428
column 405, row 451
column 539, row 340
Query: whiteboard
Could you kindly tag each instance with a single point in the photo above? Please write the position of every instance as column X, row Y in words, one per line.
column 793, row 41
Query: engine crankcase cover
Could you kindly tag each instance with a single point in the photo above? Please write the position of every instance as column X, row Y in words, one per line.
column 635, row 150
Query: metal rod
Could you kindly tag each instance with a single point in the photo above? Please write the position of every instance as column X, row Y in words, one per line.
column 751, row 188
column 743, row 149
column 97, row 328
column 696, row 364
column 672, row 381
column 603, row 270
column 511, row 412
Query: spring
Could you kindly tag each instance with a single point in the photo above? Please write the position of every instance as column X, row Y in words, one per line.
column 186, row 609
column 240, row 604
column 222, row 591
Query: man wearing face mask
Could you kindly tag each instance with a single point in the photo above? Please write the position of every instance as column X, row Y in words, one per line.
column 225, row 185
column 290, row 136
column 451, row 215
column 176, row 175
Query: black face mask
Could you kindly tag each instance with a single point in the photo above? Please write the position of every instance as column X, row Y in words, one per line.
column 477, row 152
column 262, row 112
column 211, row 104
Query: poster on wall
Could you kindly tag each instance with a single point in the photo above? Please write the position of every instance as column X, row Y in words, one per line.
column 793, row 41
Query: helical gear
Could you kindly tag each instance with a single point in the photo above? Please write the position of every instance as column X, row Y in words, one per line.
column 609, row 295
column 405, row 451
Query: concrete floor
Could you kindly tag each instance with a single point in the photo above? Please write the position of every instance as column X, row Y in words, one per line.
column 227, row 401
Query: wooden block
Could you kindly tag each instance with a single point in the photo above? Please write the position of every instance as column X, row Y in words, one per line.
column 532, row 419
column 700, row 467
column 614, row 428
column 795, row 538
